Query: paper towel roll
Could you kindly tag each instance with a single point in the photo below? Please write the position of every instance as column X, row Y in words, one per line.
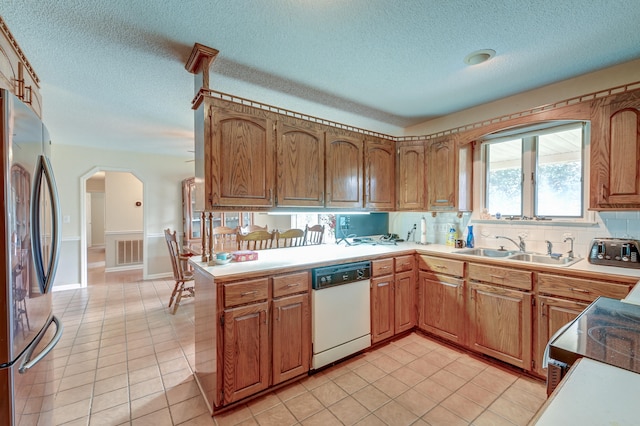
column 423, row 231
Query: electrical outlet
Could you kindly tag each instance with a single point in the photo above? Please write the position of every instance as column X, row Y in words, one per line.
column 441, row 227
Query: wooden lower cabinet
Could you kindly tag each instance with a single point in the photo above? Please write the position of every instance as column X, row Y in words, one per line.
column 393, row 297
column 405, row 305
column 246, row 357
column 382, row 308
column 500, row 323
column 553, row 314
column 441, row 305
column 291, row 337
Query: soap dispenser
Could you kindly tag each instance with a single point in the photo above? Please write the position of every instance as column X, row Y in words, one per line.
column 452, row 236
column 470, row 240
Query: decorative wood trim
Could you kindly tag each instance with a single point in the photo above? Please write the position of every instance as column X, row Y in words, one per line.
column 5, row 30
column 200, row 61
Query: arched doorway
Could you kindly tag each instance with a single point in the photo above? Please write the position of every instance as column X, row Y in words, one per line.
column 112, row 225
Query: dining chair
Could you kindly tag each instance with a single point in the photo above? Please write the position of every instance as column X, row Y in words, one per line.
column 180, row 273
column 313, row 235
column 290, row 238
column 224, row 239
column 256, row 240
column 252, row 228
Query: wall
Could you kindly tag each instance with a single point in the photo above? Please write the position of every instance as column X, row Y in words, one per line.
column 161, row 176
column 124, row 220
column 599, row 224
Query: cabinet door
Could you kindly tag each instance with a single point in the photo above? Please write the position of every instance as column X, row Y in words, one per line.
column 300, row 167
column 246, row 351
column 291, row 337
column 405, row 301
column 343, row 181
column 410, row 173
column 441, row 175
column 552, row 315
column 382, row 308
column 242, row 160
column 615, row 152
column 379, row 174
column 500, row 323
column 441, row 306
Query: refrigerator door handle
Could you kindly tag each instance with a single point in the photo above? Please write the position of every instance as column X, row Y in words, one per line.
column 45, row 278
column 29, row 360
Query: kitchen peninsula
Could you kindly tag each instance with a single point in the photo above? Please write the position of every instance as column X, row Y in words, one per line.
column 253, row 319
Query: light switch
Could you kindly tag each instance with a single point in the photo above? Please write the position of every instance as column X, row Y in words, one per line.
column 66, row 219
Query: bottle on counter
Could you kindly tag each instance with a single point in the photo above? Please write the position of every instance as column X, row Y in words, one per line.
column 452, row 236
column 470, row 239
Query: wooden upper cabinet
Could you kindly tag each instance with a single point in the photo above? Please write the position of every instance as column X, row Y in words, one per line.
column 344, row 157
column 379, row 174
column 449, row 175
column 300, row 166
column 615, row 152
column 241, row 159
column 410, row 167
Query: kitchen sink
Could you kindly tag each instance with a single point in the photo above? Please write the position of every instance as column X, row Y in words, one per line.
column 486, row 252
column 544, row 259
column 522, row 257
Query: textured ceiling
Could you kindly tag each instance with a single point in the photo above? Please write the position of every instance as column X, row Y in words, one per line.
column 113, row 74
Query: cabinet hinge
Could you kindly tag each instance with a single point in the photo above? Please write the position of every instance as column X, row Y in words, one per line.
column 533, row 301
column 533, row 364
column 222, row 320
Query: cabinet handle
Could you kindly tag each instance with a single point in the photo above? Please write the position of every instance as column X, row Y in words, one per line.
column 293, row 285
column 248, row 293
column 278, row 314
column 603, row 192
column 442, row 267
column 322, row 197
column 383, row 284
column 580, row 290
column 270, row 195
column 497, row 276
column 384, row 267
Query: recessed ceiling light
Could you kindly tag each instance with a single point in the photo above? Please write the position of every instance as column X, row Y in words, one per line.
column 479, row 56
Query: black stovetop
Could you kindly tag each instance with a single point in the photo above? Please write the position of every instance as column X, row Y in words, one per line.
column 607, row 331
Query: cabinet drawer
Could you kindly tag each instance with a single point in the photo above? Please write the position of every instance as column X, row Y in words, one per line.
column 290, row 284
column 501, row 276
column 442, row 266
column 381, row 267
column 404, row 263
column 578, row 288
column 243, row 292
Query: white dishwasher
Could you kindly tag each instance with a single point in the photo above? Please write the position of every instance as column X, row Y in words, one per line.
column 341, row 320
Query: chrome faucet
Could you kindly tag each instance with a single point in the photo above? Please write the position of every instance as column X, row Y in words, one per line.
column 570, row 252
column 521, row 246
column 549, row 247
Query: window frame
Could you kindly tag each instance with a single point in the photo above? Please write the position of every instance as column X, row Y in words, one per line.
column 529, row 161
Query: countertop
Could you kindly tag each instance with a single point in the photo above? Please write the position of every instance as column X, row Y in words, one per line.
column 273, row 260
column 593, row 393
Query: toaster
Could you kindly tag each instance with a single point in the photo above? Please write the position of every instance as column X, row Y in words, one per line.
column 615, row 252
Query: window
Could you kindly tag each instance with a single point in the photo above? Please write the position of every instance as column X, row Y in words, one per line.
column 536, row 172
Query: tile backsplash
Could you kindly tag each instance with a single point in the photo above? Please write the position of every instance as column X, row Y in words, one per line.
column 620, row 224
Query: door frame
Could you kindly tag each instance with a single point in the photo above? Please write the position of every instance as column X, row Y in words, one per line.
column 83, row 219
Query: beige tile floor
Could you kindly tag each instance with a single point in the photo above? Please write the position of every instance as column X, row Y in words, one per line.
column 125, row 360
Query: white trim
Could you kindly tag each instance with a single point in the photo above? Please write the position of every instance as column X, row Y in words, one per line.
column 65, row 239
column 124, row 268
column 66, row 287
column 139, row 231
column 159, row 276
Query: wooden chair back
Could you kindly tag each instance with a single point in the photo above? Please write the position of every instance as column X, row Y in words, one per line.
column 252, row 228
column 290, row 238
column 313, row 235
column 256, row 240
column 224, row 239
column 178, row 261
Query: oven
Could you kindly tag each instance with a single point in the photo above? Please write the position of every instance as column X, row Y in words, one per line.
column 341, row 319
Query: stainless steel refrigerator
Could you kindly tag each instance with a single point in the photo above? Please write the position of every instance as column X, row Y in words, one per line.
column 29, row 243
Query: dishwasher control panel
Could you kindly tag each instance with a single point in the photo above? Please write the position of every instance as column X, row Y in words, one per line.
column 615, row 252
column 330, row 276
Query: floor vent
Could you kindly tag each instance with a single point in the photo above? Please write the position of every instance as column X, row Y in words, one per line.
column 129, row 252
